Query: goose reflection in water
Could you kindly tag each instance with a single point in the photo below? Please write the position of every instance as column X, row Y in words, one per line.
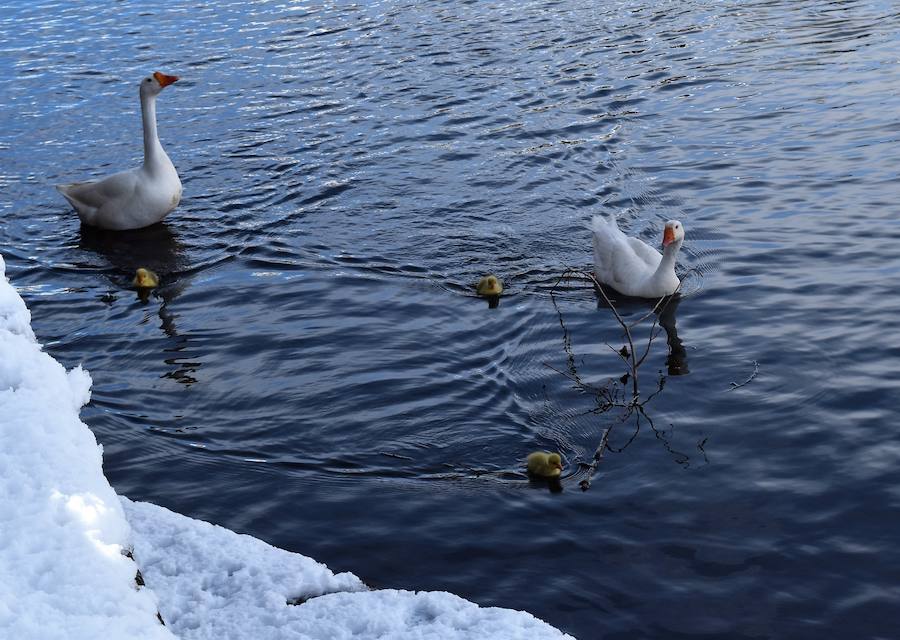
column 676, row 361
column 158, row 249
column 155, row 248
column 666, row 309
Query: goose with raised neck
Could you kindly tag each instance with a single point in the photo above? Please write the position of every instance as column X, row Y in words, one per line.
column 137, row 197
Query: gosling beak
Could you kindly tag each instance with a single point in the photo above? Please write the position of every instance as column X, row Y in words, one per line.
column 668, row 236
column 163, row 79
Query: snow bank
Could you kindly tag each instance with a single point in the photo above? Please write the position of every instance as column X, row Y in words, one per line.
column 214, row 583
column 62, row 527
column 63, row 532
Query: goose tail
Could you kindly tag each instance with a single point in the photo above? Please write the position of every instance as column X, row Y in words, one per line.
column 79, row 198
column 66, row 191
column 602, row 224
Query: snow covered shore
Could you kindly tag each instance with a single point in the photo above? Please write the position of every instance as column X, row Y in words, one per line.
column 64, row 534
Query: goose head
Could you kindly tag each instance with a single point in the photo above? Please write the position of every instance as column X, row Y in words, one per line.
column 673, row 235
column 554, row 464
column 156, row 82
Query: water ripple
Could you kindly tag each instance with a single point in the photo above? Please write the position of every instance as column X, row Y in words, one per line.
column 316, row 349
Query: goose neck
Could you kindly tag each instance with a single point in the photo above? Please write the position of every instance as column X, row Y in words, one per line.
column 667, row 264
column 152, row 147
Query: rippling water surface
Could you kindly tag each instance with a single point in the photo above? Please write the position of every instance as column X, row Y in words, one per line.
column 315, row 371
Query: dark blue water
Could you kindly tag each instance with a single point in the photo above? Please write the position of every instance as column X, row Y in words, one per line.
column 315, row 371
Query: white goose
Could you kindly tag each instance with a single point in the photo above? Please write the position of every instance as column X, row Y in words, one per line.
column 138, row 197
column 630, row 266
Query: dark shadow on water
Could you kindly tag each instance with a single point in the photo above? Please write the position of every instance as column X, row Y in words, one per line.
column 624, row 399
column 156, row 248
column 666, row 310
column 676, row 361
column 553, row 485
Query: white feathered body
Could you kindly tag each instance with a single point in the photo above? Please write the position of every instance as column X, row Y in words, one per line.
column 138, row 197
column 127, row 200
column 629, row 265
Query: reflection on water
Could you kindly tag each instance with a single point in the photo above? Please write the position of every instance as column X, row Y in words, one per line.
column 666, row 311
column 623, row 401
column 553, row 485
column 156, row 248
column 364, row 150
column 676, row 361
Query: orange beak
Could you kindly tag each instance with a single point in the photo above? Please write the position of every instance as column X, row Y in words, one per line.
column 163, row 79
column 668, row 236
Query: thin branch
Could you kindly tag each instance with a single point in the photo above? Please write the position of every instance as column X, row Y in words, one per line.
column 395, row 455
column 637, row 429
column 661, row 384
column 598, row 456
column 679, row 457
column 701, row 446
column 567, row 341
column 653, row 333
column 609, row 395
column 574, row 378
column 664, row 299
column 735, row 385
column 656, row 307
column 634, row 378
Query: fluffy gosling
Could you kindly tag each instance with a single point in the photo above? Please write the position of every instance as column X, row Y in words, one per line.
column 544, row 464
column 145, row 279
column 489, row 285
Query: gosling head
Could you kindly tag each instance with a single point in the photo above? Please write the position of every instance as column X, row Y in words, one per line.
column 145, row 279
column 156, row 82
column 554, row 464
column 489, row 285
column 544, row 464
column 673, row 232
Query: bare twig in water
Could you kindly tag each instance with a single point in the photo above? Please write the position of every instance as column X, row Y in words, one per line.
column 395, row 455
column 679, row 456
column 598, row 456
column 701, row 447
column 609, row 396
column 567, row 341
column 574, row 378
column 634, row 365
column 735, row 385
column 627, row 353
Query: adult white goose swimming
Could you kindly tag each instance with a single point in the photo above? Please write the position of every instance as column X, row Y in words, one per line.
column 138, row 197
column 630, row 266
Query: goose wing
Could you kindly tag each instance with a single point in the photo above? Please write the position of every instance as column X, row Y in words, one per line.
column 93, row 194
column 615, row 260
column 647, row 254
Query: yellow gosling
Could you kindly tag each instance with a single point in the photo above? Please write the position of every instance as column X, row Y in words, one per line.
column 489, row 285
column 145, row 279
column 544, row 464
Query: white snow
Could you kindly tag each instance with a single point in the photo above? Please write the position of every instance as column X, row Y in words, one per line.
column 62, row 527
column 63, row 531
column 214, row 583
